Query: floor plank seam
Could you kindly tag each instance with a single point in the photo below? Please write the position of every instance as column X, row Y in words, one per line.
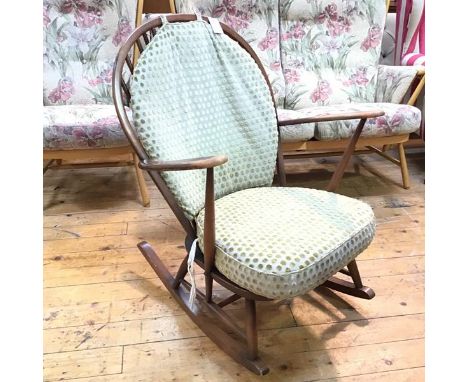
column 363, row 374
column 152, row 278
column 156, row 278
column 142, row 261
column 203, row 336
column 260, row 331
column 137, row 208
column 80, row 378
column 183, row 314
column 155, row 220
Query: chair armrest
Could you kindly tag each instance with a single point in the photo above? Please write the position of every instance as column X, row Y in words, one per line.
column 184, row 164
column 207, row 163
column 333, row 116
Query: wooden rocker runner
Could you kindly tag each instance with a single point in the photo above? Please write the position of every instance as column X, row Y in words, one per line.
column 199, row 91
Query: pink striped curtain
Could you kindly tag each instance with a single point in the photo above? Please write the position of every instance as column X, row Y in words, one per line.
column 410, row 41
column 410, row 36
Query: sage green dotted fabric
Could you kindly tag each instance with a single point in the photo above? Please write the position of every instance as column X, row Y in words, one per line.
column 282, row 242
column 196, row 93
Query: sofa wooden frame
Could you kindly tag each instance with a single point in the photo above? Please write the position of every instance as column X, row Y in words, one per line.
column 379, row 145
column 208, row 314
column 107, row 157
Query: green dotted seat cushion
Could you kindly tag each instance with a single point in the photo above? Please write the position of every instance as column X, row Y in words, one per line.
column 282, row 242
column 195, row 94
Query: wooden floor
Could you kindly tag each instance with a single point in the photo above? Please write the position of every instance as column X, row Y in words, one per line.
column 108, row 318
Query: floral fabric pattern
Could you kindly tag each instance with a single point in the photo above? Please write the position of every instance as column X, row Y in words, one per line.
column 321, row 56
column 82, row 127
column 333, row 46
column 257, row 22
column 398, row 119
column 393, row 82
column 81, row 40
column 295, row 133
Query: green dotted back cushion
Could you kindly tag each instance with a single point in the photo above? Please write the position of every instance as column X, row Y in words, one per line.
column 196, row 93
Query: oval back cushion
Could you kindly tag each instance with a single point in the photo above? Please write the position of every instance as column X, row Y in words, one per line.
column 196, row 93
column 81, row 40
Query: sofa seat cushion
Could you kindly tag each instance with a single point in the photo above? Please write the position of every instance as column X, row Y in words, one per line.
column 281, row 242
column 82, row 127
column 398, row 119
column 295, row 133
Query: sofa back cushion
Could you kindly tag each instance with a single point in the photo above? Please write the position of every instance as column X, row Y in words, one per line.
column 257, row 22
column 330, row 50
column 81, row 41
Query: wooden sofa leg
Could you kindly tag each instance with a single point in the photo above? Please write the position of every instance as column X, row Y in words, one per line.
column 141, row 182
column 340, row 169
column 46, row 167
column 403, row 166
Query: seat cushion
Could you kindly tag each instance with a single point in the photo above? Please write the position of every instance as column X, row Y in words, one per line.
column 82, row 127
column 398, row 119
column 281, row 242
column 295, row 133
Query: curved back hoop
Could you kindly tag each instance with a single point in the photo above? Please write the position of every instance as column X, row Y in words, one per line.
column 138, row 41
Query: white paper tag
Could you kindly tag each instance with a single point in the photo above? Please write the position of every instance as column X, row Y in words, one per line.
column 215, row 25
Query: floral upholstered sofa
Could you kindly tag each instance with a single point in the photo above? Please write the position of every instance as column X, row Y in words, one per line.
column 322, row 56
column 81, row 41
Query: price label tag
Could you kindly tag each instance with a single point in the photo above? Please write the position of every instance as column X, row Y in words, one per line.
column 215, row 25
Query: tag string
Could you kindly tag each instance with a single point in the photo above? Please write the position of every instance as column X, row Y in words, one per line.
column 191, row 272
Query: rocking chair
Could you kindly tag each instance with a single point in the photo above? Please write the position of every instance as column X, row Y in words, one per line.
column 199, row 91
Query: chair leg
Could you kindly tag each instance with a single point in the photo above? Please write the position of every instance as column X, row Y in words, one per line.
column 355, row 288
column 209, row 317
column 403, row 166
column 354, row 272
column 141, row 182
column 251, row 329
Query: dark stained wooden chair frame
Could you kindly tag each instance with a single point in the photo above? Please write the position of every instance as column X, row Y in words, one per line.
column 240, row 344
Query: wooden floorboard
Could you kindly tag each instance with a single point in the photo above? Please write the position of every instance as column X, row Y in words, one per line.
column 107, row 317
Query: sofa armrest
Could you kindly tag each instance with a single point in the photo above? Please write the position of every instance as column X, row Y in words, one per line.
column 326, row 114
column 394, row 82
